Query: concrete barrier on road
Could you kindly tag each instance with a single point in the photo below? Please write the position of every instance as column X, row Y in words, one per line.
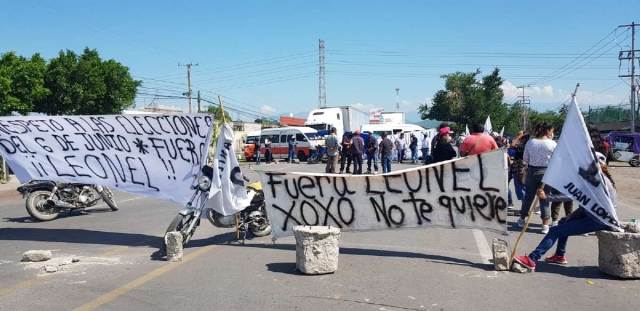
column 500, row 255
column 619, row 252
column 173, row 242
column 317, row 249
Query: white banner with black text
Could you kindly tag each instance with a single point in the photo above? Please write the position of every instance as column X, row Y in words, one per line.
column 151, row 155
column 464, row 193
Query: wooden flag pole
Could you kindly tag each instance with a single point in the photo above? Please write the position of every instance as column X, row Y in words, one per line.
column 526, row 225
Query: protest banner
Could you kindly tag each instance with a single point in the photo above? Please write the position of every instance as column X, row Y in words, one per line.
column 464, row 193
column 151, row 155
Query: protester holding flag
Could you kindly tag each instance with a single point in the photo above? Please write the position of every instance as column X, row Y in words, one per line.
column 537, row 154
column 579, row 222
column 579, row 171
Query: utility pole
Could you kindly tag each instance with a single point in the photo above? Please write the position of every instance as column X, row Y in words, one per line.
column 188, row 93
column 524, row 100
column 398, row 98
column 631, row 55
column 322, row 91
column 199, row 107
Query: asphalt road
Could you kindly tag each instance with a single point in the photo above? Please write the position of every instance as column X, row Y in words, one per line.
column 120, row 267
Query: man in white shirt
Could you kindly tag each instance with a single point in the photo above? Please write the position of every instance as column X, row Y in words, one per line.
column 426, row 149
column 401, row 145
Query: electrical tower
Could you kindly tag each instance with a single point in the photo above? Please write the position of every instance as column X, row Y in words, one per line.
column 189, row 93
column 322, row 91
column 524, row 100
column 631, row 55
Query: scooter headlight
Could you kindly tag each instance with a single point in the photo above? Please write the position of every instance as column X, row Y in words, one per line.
column 204, row 183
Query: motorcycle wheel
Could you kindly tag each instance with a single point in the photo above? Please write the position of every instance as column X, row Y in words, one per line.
column 37, row 209
column 634, row 162
column 107, row 197
column 179, row 223
column 261, row 230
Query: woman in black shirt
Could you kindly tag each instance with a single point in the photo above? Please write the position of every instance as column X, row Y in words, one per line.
column 443, row 150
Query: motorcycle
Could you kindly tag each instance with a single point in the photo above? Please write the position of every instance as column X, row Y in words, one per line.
column 252, row 218
column 45, row 199
column 318, row 153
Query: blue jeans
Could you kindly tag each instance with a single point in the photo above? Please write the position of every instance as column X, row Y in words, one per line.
column 400, row 155
column 520, row 188
column 533, row 180
column 257, row 157
column 562, row 232
column 292, row 153
column 414, row 155
column 386, row 163
column 372, row 157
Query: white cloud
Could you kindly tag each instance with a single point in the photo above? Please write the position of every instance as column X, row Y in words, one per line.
column 268, row 109
column 548, row 97
column 405, row 103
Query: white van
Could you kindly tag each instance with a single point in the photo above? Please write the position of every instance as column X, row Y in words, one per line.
column 280, row 141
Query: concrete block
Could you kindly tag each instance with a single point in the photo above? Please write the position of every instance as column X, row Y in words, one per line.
column 50, row 269
column 500, row 255
column 317, row 249
column 619, row 252
column 36, row 255
column 173, row 242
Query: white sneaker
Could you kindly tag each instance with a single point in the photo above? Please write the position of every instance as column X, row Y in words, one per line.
column 554, row 223
column 545, row 229
column 537, row 211
column 510, row 206
column 375, row 173
column 520, row 222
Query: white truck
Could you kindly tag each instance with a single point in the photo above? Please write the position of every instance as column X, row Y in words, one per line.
column 392, row 117
column 344, row 118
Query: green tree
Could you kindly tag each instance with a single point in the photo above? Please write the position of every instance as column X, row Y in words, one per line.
column 21, row 83
column 85, row 84
column 219, row 114
column 466, row 100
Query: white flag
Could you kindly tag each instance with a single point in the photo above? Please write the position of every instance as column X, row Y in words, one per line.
column 575, row 171
column 467, row 131
column 228, row 193
column 487, row 126
column 502, row 132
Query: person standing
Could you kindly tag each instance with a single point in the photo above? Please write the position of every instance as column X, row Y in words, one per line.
column 426, row 148
column 346, row 153
column 401, row 145
column 357, row 146
column 292, row 148
column 434, row 140
column 385, row 153
column 332, row 151
column 267, row 149
column 477, row 142
column 537, row 154
column 372, row 153
column 413, row 146
column 256, row 150
column 444, row 150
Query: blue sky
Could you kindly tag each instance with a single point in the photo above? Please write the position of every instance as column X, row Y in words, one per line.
column 263, row 55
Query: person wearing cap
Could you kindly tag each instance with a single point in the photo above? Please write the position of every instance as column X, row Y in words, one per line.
column 357, row 147
column 292, row 149
column 579, row 222
column 478, row 142
column 333, row 145
column 443, row 150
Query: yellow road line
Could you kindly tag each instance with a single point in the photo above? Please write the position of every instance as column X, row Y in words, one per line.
column 106, row 298
column 7, row 290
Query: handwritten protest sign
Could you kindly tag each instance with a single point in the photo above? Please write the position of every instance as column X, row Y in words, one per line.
column 465, row 193
column 153, row 155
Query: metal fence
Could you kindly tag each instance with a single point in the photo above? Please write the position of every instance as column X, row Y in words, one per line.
column 609, row 114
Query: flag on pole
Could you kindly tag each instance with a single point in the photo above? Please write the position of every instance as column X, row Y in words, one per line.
column 502, row 132
column 488, row 129
column 228, row 194
column 575, row 171
column 467, row 131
